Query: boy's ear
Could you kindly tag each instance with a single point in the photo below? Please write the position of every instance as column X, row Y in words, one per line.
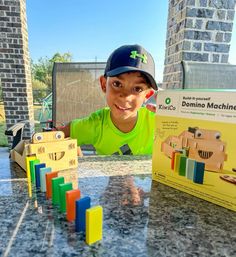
column 150, row 93
column 103, row 82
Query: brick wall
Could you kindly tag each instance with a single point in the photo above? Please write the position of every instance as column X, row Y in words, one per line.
column 197, row 30
column 15, row 75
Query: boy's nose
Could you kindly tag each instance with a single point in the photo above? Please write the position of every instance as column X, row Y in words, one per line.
column 125, row 93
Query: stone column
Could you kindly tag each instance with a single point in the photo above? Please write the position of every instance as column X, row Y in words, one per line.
column 15, row 74
column 197, row 30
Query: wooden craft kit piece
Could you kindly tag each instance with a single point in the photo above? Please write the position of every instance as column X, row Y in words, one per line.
column 51, row 148
column 70, row 175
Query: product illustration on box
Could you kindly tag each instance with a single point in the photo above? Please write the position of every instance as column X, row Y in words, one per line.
column 198, row 144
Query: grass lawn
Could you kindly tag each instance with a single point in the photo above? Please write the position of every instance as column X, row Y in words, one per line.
column 3, row 138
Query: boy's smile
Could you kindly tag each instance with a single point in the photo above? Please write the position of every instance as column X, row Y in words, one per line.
column 125, row 94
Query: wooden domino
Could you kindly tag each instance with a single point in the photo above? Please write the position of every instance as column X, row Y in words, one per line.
column 55, row 189
column 81, row 206
column 42, row 173
column 32, row 169
column 94, row 217
column 63, row 188
column 28, row 159
column 71, row 197
column 49, row 177
column 37, row 173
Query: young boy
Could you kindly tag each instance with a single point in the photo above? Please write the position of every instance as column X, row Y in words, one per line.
column 124, row 127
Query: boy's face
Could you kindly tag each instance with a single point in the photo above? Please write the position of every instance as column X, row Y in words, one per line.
column 125, row 94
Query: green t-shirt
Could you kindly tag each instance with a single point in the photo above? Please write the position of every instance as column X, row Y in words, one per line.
column 98, row 130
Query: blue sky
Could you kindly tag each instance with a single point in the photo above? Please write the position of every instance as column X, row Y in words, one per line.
column 92, row 29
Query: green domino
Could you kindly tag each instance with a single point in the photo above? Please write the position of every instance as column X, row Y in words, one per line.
column 63, row 188
column 32, row 169
column 55, row 189
column 182, row 165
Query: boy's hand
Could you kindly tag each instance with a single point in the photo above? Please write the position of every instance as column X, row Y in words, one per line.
column 65, row 129
column 151, row 107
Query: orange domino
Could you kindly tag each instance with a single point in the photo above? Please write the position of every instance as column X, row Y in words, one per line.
column 71, row 197
column 49, row 177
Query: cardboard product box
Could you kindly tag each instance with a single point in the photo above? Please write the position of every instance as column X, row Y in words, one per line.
column 195, row 144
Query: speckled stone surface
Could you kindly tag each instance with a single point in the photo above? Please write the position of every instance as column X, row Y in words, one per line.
column 141, row 217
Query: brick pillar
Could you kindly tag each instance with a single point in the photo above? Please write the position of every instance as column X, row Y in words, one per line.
column 15, row 75
column 197, row 30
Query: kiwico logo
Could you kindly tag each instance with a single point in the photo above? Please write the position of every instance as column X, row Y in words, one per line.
column 167, row 106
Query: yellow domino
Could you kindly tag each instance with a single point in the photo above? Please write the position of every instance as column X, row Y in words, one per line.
column 27, row 160
column 94, row 217
column 177, row 162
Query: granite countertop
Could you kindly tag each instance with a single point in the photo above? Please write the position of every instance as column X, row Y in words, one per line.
column 141, row 217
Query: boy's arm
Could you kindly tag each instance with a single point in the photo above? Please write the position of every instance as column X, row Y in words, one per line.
column 66, row 130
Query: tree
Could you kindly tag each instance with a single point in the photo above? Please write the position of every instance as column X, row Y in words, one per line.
column 42, row 70
column 40, row 90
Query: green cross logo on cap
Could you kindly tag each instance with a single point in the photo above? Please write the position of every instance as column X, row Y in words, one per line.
column 135, row 54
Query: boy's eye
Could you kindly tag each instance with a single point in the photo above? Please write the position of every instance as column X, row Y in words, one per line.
column 116, row 84
column 138, row 89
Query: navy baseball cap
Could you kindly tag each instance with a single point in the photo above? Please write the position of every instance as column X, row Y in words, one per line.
column 131, row 58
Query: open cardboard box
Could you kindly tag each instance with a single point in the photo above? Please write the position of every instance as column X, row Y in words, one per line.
column 19, row 153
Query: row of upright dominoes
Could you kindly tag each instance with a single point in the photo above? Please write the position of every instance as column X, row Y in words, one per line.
column 187, row 167
column 87, row 219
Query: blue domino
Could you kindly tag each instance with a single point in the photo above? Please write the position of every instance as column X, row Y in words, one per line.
column 37, row 173
column 198, row 175
column 42, row 172
column 81, row 206
column 190, row 167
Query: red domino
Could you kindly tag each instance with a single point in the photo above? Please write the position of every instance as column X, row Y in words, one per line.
column 173, row 160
